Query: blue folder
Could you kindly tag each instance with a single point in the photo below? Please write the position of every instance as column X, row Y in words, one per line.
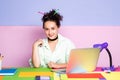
column 10, row 71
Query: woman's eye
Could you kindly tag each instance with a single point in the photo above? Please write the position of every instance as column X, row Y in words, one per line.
column 46, row 29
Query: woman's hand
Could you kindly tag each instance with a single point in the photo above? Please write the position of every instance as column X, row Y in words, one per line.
column 52, row 65
column 38, row 43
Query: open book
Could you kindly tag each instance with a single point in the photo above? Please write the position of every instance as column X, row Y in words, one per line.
column 10, row 71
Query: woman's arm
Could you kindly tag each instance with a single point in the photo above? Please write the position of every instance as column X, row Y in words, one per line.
column 56, row 65
column 35, row 53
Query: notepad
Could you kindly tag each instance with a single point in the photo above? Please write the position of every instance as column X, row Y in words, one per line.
column 10, row 71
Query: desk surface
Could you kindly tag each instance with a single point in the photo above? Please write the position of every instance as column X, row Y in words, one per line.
column 19, row 70
column 19, row 75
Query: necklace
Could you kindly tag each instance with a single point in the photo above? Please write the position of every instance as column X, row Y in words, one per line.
column 53, row 39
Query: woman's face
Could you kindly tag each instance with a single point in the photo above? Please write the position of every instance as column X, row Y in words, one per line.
column 51, row 29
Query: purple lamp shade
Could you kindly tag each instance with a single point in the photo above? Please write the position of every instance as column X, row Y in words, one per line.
column 101, row 46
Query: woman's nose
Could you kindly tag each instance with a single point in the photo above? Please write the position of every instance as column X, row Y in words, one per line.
column 50, row 31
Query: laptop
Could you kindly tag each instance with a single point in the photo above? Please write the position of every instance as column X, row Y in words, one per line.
column 81, row 60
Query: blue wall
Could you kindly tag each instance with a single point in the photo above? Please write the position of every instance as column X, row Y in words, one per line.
column 75, row 12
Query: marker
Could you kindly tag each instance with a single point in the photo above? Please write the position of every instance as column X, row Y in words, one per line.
column 41, row 13
column 42, row 78
column 55, row 11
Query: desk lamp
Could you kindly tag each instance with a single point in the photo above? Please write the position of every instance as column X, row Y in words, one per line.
column 104, row 46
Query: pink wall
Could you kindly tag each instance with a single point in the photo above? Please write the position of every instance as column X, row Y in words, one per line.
column 16, row 42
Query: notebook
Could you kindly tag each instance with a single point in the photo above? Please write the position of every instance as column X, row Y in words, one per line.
column 82, row 60
column 10, row 71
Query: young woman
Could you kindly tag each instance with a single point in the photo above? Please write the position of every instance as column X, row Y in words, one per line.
column 52, row 52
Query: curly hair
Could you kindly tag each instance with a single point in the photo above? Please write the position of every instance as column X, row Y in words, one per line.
column 52, row 15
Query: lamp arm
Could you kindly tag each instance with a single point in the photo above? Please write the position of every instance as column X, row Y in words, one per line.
column 110, row 56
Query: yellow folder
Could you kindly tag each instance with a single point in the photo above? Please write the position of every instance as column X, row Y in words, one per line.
column 33, row 74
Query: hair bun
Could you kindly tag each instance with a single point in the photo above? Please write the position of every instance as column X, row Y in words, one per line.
column 52, row 15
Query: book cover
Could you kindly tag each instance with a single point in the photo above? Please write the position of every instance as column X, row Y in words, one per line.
column 10, row 71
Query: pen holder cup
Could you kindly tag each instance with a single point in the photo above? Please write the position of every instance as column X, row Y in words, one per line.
column 0, row 64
